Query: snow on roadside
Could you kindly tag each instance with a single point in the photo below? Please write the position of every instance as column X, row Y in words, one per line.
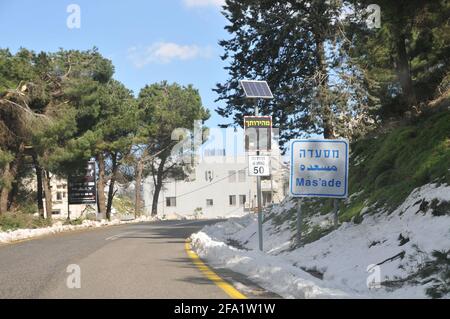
column 341, row 257
column 58, row 227
column 268, row 271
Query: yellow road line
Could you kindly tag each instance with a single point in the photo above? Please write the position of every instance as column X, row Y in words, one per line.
column 211, row 275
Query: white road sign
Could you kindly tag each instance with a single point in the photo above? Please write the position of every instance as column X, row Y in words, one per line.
column 259, row 165
column 319, row 168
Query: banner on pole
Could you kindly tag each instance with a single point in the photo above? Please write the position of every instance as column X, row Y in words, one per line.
column 258, row 133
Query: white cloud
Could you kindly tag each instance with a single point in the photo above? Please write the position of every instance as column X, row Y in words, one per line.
column 204, row 3
column 166, row 52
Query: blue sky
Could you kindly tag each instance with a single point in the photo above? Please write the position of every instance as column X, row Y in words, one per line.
column 148, row 41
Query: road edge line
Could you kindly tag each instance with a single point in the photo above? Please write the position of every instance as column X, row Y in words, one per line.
column 211, row 275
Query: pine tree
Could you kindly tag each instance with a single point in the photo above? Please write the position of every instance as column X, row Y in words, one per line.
column 408, row 55
column 168, row 107
column 300, row 48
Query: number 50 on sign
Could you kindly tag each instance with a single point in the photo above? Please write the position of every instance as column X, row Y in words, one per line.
column 259, row 165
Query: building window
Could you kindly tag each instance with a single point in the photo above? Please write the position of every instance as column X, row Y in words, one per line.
column 59, row 196
column 171, row 201
column 242, row 200
column 232, row 176
column 242, row 176
column 209, row 202
column 56, row 212
column 232, row 200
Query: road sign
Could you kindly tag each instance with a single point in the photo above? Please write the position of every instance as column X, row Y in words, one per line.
column 319, row 168
column 258, row 133
column 82, row 188
column 259, row 165
column 256, row 89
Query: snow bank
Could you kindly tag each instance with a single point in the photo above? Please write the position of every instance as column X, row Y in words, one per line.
column 270, row 272
column 342, row 258
column 58, row 227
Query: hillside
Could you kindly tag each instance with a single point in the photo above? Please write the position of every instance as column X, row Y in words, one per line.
column 394, row 228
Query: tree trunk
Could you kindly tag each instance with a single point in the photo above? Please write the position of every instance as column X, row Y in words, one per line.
column 9, row 175
column 112, row 182
column 47, row 193
column 39, row 193
column 158, row 185
column 101, row 184
column 137, row 188
column 328, row 131
column 5, row 189
column 404, row 72
column 13, row 194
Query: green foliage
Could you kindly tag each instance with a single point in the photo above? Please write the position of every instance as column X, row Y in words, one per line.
column 15, row 68
column 123, row 205
column 298, row 47
column 388, row 167
column 399, row 161
column 5, row 158
column 315, row 233
column 436, row 273
column 165, row 109
column 351, row 211
column 74, row 222
column 408, row 55
column 19, row 220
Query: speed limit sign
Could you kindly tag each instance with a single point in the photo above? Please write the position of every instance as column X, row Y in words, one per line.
column 259, row 165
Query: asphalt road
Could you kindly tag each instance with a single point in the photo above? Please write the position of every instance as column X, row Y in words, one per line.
column 145, row 260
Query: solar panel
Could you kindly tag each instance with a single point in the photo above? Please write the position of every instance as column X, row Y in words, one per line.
column 256, row 89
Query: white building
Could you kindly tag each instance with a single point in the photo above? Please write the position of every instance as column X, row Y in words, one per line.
column 218, row 187
column 58, row 187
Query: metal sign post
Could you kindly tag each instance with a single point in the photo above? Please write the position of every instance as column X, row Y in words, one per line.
column 299, row 222
column 258, row 90
column 259, row 195
column 335, row 213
